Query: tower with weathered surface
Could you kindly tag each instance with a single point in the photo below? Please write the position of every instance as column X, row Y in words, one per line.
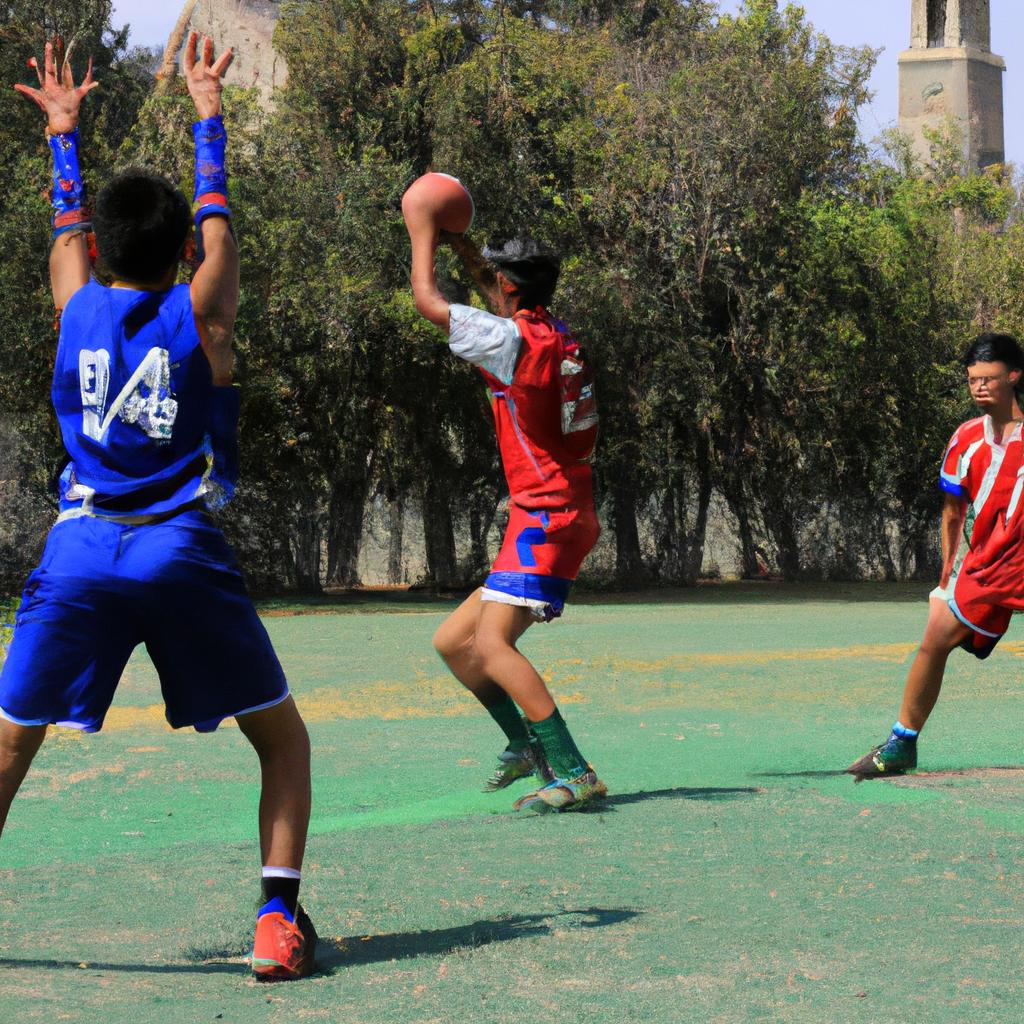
column 950, row 72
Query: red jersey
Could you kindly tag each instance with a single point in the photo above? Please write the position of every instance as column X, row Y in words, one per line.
column 982, row 472
column 546, row 418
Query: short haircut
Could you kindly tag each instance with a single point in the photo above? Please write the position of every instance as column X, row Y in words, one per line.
column 533, row 269
column 141, row 222
column 994, row 348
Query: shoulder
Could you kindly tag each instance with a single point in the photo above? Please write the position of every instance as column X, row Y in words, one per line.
column 84, row 299
column 474, row 318
column 968, row 433
column 492, row 343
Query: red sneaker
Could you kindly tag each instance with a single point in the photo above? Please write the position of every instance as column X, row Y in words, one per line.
column 284, row 950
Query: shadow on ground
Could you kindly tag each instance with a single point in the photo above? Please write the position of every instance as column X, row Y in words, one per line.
column 93, row 968
column 830, row 773
column 679, row 793
column 334, row 954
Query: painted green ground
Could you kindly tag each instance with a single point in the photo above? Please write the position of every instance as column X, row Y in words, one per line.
column 733, row 876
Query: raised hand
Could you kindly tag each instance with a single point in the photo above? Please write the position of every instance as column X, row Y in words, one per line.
column 57, row 96
column 205, row 77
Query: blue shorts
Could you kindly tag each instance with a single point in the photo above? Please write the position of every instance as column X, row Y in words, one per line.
column 103, row 588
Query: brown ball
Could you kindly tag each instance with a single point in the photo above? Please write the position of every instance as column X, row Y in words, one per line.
column 441, row 200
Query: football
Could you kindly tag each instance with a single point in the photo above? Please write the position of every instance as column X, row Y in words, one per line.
column 440, row 200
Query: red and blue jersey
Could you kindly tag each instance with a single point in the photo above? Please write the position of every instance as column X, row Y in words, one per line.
column 545, row 412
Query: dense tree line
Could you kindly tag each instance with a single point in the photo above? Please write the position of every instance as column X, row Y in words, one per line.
column 774, row 313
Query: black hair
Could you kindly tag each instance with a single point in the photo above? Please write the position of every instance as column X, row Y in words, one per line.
column 141, row 222
column 533, row 269
column 994, row 348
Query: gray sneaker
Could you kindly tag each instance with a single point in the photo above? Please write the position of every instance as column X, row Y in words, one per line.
column 518, row 764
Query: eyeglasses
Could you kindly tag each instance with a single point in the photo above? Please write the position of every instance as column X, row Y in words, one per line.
column 983, row 382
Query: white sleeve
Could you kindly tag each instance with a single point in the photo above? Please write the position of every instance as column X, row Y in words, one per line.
column 490, row 342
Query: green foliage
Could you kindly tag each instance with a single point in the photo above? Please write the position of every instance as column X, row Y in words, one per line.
column 773, row 316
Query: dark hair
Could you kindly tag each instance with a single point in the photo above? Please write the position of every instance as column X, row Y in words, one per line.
column 994, row 348
column 141, row 222
column 533, row 269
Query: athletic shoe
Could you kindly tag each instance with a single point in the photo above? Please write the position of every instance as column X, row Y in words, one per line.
column 894, row 757
column 285, row 949
column 565, row 794
column 519, row 764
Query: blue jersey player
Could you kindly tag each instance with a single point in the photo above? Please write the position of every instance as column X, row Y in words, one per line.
column 142, row 389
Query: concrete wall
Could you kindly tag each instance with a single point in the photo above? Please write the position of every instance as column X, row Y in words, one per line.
column 950, row 72
column 951, row 23
column 959, row 83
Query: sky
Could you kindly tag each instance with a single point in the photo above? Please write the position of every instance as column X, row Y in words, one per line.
column 882, row 24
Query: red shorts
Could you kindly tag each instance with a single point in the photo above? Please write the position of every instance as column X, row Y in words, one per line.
column 540, row 557
column 975, row 610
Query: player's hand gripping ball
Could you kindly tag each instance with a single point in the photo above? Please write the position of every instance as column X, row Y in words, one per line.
column 437, row 202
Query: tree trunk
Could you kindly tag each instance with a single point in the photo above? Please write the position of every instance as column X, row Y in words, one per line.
column 169, row 67
column 304, row 546
column 695, row 548
column 438, row 533
column 396, row 531
column 345, row 531
column 749, row 568
column 630, row 570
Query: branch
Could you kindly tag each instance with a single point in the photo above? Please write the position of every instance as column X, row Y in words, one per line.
column 169, row 68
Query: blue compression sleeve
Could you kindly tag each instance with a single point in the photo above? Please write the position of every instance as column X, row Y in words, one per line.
column 211, row 195
column 68, row 191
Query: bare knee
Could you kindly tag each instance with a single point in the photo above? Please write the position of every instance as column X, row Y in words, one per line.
column 489, row 647
column 452, row 644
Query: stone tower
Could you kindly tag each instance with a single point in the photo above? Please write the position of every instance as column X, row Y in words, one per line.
column 248, row 26
column 950, row 72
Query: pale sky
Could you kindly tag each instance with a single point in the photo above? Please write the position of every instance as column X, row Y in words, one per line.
column 877, row 23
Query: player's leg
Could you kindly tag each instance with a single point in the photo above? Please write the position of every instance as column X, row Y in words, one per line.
column 285, row 943
column 574, row 782
column 279, row 737
column 19, row 744
column 215, row 661
column 943, row 633
column 454, row 642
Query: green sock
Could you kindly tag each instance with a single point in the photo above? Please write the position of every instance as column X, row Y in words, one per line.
column 511, row 722
column 562, row 753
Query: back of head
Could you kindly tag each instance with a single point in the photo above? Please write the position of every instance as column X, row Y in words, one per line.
column 532, row 268
column 994, row 348
column 141, row 222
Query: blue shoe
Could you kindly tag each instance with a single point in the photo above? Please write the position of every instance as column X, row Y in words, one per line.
column 564, row 794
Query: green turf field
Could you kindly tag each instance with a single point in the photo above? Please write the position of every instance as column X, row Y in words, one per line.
column 734, row 876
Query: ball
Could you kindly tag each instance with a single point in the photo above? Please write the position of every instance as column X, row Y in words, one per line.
column 440, row 201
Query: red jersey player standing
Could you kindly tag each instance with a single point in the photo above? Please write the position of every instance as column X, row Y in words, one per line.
column 546, row 423
column 983, row 468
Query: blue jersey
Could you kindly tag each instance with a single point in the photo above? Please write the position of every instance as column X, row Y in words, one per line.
column 147, row 432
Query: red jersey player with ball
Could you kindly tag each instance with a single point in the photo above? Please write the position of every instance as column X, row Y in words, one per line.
column 546, row 423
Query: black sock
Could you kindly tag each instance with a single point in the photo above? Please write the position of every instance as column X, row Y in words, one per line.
column 284, row 889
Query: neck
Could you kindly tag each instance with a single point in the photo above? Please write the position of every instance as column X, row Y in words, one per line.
column 1003, row 416
column 163, row 284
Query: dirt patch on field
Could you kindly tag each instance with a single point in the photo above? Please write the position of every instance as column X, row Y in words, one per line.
column 994, row 774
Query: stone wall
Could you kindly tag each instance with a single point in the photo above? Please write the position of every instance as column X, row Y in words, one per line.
column 248, row 26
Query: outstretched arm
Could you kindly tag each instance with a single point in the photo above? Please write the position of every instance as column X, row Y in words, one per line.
column 215, row 285
column 429, row 300
column 60, row 99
